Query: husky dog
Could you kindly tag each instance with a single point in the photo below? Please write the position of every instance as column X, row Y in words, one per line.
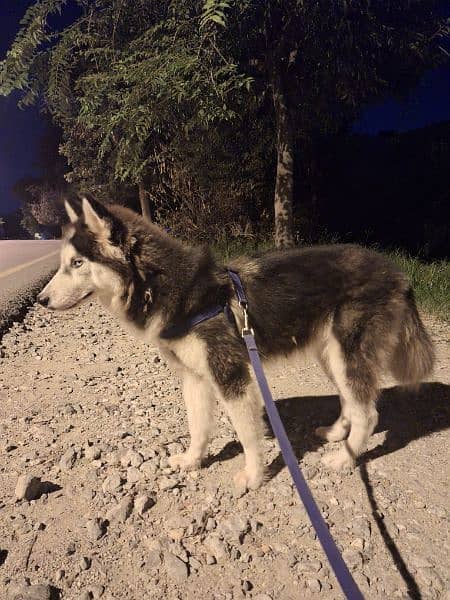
column 350, row 306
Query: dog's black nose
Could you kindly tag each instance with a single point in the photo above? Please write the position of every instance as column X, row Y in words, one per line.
column 43, row 300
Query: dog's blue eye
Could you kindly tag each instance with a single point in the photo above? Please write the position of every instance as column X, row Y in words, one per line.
column 77, row 262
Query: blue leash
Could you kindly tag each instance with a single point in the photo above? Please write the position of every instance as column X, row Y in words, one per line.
column 343, row 575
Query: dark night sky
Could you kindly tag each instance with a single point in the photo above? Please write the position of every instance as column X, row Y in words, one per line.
column 21, row 130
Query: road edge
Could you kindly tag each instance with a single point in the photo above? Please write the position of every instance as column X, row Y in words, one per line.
column 24, row 300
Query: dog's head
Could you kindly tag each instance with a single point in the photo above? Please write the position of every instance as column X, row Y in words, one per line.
column 93, row 258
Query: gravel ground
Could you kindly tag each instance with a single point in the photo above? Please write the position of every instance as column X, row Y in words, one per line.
column 89, row 507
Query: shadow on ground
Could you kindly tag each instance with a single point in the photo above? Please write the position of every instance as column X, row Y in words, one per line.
column 405, row 414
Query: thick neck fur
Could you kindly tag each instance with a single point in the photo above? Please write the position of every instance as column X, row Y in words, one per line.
column 164, row 276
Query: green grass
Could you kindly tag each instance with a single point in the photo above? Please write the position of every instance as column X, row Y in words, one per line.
column 430, row 281
column 225, row 250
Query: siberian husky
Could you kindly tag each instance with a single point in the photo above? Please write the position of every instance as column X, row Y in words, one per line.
column 349, row 305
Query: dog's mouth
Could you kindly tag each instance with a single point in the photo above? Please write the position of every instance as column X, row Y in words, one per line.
column 82, row 300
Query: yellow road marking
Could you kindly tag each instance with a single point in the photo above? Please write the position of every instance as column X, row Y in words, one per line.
column 28, row 264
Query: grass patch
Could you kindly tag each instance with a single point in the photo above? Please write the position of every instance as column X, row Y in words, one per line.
column 430, row 281
column 225, row 250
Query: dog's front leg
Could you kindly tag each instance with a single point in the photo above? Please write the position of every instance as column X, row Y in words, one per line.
column 199, row 400
column 245, row 412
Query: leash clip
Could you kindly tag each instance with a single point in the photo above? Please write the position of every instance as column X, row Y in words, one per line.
column 148, row 298
column 246, row 330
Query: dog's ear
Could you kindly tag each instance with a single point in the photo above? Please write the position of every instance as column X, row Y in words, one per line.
column 95, row 218
column 73, row 217
column 100, row 221
column 66, row 228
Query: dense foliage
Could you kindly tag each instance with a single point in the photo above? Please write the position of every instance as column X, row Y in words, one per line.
column 203, row 110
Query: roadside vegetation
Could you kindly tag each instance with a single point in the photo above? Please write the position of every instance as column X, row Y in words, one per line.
column 431, row 282
column 219, row 117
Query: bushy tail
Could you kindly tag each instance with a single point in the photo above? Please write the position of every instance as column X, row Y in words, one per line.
column 413, row 357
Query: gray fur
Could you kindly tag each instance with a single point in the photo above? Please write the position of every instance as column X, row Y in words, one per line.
column 350, row 305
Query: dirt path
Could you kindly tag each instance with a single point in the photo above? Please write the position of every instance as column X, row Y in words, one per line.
column 95, row 415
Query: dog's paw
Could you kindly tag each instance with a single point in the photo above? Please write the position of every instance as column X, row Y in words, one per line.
column 339, row 461
column 244, row 480
column 184, row 461
column 332, row 433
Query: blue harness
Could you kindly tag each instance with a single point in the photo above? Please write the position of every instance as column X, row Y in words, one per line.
column 343, row 575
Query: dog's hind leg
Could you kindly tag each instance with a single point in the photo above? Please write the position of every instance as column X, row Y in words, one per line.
column 199, row 399
column 357, row 386
column 245, row 413
column 340, row 429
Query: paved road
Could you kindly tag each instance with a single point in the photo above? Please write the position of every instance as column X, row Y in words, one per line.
column 14, row 254
column 25, row 265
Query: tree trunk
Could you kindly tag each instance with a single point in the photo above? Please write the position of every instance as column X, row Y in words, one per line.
column 284, row 185
column 143, row 199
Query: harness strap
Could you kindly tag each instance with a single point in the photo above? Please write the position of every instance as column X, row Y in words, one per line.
column 343, row 575
column 183, row 328
column 238, row 287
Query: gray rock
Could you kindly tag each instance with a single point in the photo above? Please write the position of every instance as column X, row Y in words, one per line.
column 217, row 547
column 311, row 472
column 167, row 483
column 85, row 563
column 154, row 559
column 210, row 524
column 28, row 487
column 234, row 528
column 95, row 529
column 112, row 483
column 361, row 528
column 255, row 525
column 92, row 453
column 133, row 475
column 85, row 596
column 309, row 566
column 353, row 559
column 143, row 503
column 176, row 534
column 67, row 460
column 194, row 563
column 22, row 591
column 358, row 543
column 130, row 458
column 97, row 591
column 314, row 585
column 176, row 568
column 149, row 467
column 121, row 511
column 59, row 575
column 71, row 549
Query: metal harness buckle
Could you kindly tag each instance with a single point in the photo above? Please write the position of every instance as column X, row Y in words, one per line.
column 246, row 330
